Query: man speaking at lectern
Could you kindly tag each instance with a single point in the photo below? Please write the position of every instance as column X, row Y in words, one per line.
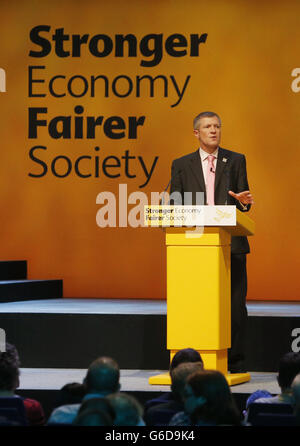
column 222, row 176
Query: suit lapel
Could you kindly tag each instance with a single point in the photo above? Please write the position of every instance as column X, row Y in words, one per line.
column 196, row 167
column 222, row 162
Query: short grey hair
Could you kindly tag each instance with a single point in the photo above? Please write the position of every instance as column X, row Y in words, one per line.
column 206, row 114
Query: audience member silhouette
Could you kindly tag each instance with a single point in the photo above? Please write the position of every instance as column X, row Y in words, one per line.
column 93, row 417
column 161, row 414
column 9, row 382
column 98, row 404
column 289, row 367
column 207, row 402
column 95, row 412
column 183, row 355
column 102, row 379
column 128, row 411
column 71, row 393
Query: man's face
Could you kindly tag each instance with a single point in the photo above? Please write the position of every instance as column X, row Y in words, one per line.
column 208, row 133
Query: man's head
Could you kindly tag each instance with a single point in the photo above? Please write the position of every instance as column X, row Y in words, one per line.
column 9, row 369
column 103, row 376
column 71, row 393
column 128, row 411
column 102, row 404
column 207, row 129
column 289, row 367
column 179, row 376
column 185, row 355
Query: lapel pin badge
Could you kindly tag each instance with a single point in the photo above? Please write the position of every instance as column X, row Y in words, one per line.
column 224, row 160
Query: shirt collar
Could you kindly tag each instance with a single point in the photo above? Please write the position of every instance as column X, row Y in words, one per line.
column 204, row 155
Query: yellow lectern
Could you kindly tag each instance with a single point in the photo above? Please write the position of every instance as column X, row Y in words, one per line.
column 198, row 284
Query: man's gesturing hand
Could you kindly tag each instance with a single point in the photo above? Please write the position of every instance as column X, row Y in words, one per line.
column 244, row 197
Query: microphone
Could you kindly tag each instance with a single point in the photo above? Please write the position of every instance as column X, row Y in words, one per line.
column 213, row 171
column 165, row 190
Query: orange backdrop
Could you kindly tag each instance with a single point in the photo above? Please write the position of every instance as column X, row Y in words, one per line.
column 243, row 72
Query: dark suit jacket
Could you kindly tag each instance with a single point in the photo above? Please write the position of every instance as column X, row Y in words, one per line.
column 161, row 414
column 231, row 174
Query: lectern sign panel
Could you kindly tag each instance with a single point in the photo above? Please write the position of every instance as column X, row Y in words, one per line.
column 189, row 216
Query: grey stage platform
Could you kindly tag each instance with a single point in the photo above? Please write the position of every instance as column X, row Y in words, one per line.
column 134, row 306
column 131, row 380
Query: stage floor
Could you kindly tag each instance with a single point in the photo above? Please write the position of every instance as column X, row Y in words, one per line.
column 133, row 306
column 131, row 380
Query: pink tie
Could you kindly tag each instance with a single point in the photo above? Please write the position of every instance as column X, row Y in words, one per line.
column 210, row 181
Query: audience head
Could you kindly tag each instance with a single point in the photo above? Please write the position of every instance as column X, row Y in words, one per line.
column 128, row 411
column 9, row 369
column 208, row 399
column 102, row 404
column 93, row 417
column 179, row 376
column 185, row 355
column 103, row 376
column 71, row 393
column 289, row 367
column 95, row 412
